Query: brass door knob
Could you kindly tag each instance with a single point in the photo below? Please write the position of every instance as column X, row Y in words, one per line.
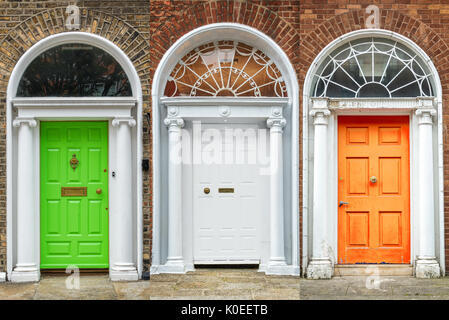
column 373, row 179
column 99, row 191
column 206, row 190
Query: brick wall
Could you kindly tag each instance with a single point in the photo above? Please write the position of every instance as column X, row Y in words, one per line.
column 145, row 29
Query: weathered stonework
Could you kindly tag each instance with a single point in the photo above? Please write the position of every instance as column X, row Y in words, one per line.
column 320, row 270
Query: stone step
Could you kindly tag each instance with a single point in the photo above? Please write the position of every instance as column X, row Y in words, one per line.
column 373, row 269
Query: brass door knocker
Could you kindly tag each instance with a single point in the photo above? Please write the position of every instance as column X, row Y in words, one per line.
column 74, row 162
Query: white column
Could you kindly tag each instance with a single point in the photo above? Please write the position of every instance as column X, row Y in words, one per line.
column 123, row 266
column 175, row 261
column 277, row 263
column 426, row 264
column 320, row 266
column 26, row 268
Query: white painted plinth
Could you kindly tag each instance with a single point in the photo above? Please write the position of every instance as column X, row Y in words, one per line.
column 25, row 273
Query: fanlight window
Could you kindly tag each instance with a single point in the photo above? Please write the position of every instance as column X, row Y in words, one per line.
column 74, row 70
column 373, row 67
column 226, row 68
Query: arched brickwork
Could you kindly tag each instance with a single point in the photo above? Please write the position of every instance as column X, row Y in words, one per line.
column 48, row 22
column 425, row 37
column 173, row 20
column 431, row 42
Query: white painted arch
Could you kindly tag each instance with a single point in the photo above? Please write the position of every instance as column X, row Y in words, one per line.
column 193, row 39
column 362, row 106
column 90, row 108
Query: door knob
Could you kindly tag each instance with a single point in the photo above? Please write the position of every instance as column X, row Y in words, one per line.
column 99, row 191
column 342, row 203
column 373, row 179
column 206, row 190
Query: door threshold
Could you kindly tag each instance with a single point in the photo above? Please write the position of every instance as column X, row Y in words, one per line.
column 341, row 270
column 81, row 271
column 226, row 266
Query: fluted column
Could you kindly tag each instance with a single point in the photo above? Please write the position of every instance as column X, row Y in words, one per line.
column 277, row 260
column 123, row 266
column 426, row 264
column 26, row 268
column 175, row 260
column 320, row 266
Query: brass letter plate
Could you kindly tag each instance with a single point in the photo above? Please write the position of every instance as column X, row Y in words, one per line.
column 73, row 191
column 226, row 190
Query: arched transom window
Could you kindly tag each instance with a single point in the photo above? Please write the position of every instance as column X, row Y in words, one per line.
column 74, row 70
column 226, row 68
column 373, row 67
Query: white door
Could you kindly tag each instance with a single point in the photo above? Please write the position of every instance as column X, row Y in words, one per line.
column 231, row 200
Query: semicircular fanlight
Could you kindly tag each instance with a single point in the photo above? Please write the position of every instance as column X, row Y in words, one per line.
column 74, row 70
column 226, row 68
column 373, row 67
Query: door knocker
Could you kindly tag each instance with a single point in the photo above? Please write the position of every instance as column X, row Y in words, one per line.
column 74, row 162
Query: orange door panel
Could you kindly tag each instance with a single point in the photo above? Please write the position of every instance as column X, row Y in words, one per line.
column 373, row 178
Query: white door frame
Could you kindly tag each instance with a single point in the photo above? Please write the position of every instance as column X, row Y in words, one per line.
column 197, row 37
column 180, row 197
column 122, row 113
column 328, row 110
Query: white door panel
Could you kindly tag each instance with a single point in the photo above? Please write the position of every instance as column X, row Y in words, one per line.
column 227, row 224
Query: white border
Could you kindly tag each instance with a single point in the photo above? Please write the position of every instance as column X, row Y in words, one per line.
column 210, row 33
column 306, row 108
column 19, row 69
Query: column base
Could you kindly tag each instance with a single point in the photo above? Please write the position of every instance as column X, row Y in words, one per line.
column 158, row 269
column 427, row 268
column 277, row 266
column 123, row 272
column 320, row 269
column 28, row 273
column 173, row 265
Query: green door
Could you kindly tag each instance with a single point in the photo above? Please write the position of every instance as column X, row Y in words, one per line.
column 74, row 194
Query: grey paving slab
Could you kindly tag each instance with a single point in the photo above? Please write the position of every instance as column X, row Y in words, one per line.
column 211, row 284
column 207, row 284
column 375, row 288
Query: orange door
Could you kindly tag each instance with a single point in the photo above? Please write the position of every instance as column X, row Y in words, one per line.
column 373, row 178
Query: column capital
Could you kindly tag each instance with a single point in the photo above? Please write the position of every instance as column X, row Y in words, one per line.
column 123, row 120
column 425, row 115
column 174, row 122
column 276, row 123
column 320, row 115
column 24, row 121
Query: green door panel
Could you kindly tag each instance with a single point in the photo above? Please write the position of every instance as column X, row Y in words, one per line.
column 74, row 229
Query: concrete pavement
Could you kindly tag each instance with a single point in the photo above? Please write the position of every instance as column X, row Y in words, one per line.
column 201, row 284
column 375, row 288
